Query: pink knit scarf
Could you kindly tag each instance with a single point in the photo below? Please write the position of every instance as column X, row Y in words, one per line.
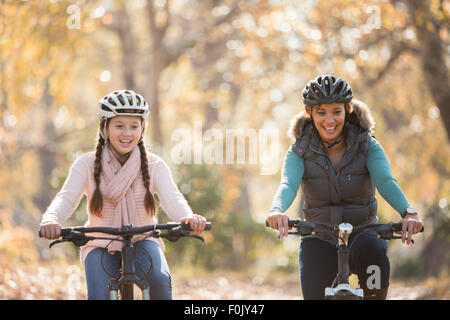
column 120, row 182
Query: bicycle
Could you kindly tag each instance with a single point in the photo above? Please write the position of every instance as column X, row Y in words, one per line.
column 340, row 288
column 128, row 277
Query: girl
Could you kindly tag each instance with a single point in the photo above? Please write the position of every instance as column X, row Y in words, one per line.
column 119, row 179
column 338, row 164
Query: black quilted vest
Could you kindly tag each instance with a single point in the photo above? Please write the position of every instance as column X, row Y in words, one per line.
column 336, row 195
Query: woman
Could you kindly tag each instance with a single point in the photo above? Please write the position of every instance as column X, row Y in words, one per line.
column 338, row 164
column 119, row 179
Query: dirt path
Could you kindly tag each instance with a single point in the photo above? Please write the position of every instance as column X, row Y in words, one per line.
column 53, row 282
column 238, row 287
column 234, row 287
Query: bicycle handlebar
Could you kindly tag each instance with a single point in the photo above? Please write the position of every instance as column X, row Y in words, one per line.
column 129, row 230
column 78, row 236
column 305, row 228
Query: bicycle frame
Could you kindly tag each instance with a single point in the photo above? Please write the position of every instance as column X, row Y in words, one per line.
column 128, row 275
column 340, row 288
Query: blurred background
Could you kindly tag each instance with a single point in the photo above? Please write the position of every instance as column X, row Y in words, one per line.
column 227, row 64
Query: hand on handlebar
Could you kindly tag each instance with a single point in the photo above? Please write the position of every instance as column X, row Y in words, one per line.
column 410, row 225
column 196, row 222
column 279, row 221
column 50, row 231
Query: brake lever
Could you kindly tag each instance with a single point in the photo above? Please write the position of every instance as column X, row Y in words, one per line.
column 171, row 235
column 175, row 234
column 394, row 237
column 77, row 238
column 390, row 236
column 195, row 236
column 56, row 242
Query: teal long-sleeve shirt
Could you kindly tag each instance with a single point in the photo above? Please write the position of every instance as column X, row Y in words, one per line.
column 377, row 164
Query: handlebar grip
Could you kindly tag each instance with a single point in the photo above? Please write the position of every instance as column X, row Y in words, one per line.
column 398, row 227
column 291, row 223
column 187, row 227
column 64, row 232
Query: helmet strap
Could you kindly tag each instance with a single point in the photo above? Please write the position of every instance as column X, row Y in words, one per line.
column 329, row 145
column 142, row 133
column 339, row 139
column 103, row 132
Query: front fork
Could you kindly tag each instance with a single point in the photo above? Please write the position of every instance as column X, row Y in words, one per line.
column 129, row 276
column 114, row 294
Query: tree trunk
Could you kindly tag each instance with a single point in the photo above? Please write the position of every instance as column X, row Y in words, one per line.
column 432, row 57
column 123, row 29
column 158, row 61
column 46, row 155
column 156, row 68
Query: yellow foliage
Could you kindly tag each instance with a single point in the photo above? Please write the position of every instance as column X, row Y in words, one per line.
column 16, row 243
column 37, row 48
column 18, row 177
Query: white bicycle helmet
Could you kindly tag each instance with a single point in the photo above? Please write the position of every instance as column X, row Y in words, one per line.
column 122, row 103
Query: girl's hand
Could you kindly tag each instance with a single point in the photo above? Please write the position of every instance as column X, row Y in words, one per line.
column 197, row 223
column 411, row 224
column 50, row 231
column 279, row 221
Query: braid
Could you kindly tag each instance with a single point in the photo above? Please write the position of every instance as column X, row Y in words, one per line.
column 149, row 201
column 96, row 204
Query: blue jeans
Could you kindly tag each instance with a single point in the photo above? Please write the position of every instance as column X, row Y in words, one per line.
column 99, row 259
column 318, row 263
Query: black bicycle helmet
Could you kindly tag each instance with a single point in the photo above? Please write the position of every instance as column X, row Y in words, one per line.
column 326, row 89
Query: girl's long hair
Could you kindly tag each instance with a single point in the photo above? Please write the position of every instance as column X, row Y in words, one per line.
column 96, row 204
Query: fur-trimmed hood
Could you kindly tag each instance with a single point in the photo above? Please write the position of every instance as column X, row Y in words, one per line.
column 360, row 116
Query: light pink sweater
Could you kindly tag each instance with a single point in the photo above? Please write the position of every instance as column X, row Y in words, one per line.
column 80, row 181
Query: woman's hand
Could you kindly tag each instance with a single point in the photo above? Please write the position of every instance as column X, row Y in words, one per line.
column 197, row 223
column 411, row 224
column 279, row 221
column 50, row 231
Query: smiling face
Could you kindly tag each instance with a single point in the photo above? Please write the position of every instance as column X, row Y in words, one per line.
column 329, row 120
column 124, row 133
